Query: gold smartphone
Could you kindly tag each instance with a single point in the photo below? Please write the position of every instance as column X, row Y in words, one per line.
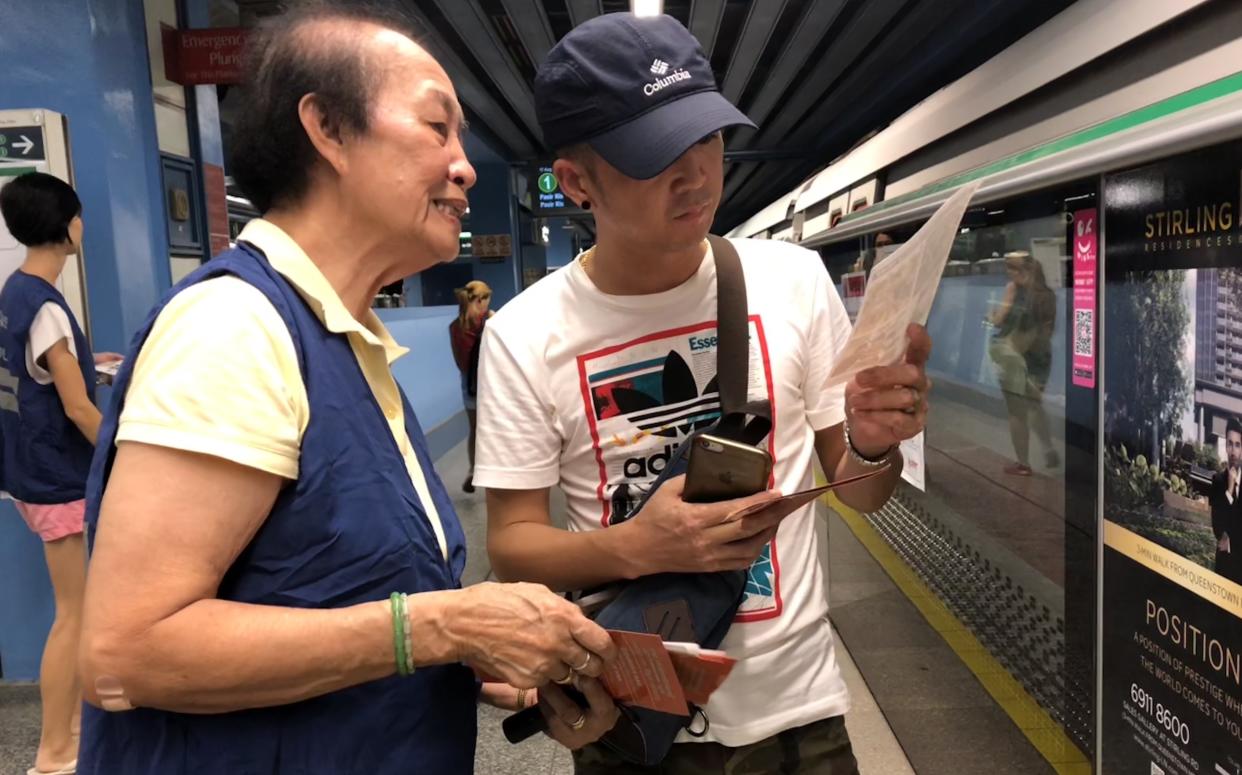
column 720, row 469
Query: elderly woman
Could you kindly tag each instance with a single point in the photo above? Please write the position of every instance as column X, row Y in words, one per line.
column 275, row 568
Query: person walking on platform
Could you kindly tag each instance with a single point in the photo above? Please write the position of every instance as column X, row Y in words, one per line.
column 593, row 376
column 48, row 424
column 1226, row 505
column 275, row 567
column 1021, row 348
column 465, row 333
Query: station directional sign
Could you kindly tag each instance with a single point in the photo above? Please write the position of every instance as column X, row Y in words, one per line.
column 547, row 198
column 22, row 143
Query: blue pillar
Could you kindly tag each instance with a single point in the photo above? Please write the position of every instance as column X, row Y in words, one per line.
column 560, row 243
column 203, row 111
column 89, row 63
column 196, row 15
column 492, row 210
column 414, row 291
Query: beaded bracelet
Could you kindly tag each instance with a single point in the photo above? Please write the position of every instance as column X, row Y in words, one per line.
column 398, row 632
column 859, row 457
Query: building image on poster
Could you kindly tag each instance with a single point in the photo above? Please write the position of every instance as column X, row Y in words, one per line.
column 1171, row 638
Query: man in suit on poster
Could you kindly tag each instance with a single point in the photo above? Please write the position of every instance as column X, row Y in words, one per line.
column 1226, row 507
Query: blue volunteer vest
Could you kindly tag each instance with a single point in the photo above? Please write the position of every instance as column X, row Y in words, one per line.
column 350, row 530
column 45, row 457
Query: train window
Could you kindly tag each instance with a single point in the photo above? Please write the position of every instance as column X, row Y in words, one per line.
column 841, row 258
column 998, row 529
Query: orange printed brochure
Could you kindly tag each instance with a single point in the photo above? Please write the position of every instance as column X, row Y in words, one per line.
column 701, row 670
column 649, row 673
column 788, row 504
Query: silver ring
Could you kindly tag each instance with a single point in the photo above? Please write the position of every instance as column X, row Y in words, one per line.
column 567, row 680
column 579, row 724
column 584, row 664
column 918, row 397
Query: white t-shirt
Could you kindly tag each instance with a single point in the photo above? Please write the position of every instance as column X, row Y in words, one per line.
column 49, row 326
column 592, row 392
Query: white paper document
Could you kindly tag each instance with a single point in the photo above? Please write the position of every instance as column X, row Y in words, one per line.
column 914, row 471
column 900, row 291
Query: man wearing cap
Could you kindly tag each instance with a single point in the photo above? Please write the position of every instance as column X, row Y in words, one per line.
column 591, row 379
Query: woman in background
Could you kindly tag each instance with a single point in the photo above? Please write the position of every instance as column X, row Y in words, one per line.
column 1022, row 350
column 465, row 335
column 48, row 425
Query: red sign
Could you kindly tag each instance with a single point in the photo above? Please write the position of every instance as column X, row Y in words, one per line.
column 204, row 56
column 1086, row 245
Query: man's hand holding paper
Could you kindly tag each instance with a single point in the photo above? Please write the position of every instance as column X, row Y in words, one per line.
column 884, row 362
column 885, row 405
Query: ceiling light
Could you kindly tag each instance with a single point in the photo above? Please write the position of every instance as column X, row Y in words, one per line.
column 647, row 7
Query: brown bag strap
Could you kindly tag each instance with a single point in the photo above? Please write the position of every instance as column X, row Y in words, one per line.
column 733, row 333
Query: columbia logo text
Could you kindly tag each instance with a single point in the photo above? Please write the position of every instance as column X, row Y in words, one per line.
column 655, row 86
column 659, row 67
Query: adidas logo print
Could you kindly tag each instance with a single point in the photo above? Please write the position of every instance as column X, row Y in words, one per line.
column 659, row 67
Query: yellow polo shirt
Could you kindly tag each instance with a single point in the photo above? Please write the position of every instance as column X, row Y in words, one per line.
column 219, row 375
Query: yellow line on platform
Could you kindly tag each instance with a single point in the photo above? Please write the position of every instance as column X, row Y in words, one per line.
column 1044, row 733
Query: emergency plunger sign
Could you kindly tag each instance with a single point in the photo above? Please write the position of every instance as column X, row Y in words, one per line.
column 1171, row 641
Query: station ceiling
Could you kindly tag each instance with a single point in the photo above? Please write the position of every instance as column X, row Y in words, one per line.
column 817, row 76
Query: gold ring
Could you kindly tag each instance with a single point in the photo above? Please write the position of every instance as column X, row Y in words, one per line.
column 584, row 664
column 521, row 699
column 579, row 724
column 566, row 681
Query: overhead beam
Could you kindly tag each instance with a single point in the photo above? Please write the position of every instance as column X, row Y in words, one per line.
column 856, row 38
column 761, row 19
column 705, row 16
column 911, row 54
column 808, row 33
column 778, row 173
column 582, row 10
column 472, row 93
column 913, row 45
column 473, row 27
column 531, row 23
column 762, row 155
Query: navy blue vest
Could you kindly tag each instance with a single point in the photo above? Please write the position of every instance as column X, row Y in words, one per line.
column 45, row 457
column 351, row 529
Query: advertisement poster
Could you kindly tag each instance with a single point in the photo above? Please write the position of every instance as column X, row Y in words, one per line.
column 1086, row 229
column 1171, row 640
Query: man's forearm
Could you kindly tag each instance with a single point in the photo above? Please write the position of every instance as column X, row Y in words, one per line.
column 869, row 494
column 562, row 560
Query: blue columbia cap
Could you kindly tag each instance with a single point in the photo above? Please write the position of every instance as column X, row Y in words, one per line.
column 638, row 90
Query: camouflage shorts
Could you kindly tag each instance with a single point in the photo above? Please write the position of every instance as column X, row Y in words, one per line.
column 822, row 748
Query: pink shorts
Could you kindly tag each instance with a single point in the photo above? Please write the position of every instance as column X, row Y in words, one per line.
column 53, row 521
